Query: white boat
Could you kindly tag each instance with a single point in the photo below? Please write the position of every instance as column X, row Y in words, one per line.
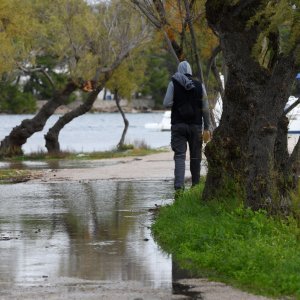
column 294, row 117
column 164, row 125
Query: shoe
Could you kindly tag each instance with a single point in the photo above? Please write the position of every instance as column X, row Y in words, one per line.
column 178, row 193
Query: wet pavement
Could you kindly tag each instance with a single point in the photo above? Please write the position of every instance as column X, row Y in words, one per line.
column 58, row 164
column 70, row 234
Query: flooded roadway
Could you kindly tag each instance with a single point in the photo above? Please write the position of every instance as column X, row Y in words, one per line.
column 86, row 240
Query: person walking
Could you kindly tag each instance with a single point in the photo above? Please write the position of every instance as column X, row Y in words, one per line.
column 189, row 113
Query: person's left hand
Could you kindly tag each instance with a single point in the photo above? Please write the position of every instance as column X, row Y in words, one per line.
column 206, row 135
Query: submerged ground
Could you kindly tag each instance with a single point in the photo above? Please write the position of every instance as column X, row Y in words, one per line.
column 80, row 230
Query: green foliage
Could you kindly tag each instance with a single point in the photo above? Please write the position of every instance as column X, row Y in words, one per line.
column 127, row 78
column 225, row 241
column 67, row 30
column 17, row 31
column 39, row 85
column 160, row 67
column 14, row 101
column 280, row 18
column 132, row 150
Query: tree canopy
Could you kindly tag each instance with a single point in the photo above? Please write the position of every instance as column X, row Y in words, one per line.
column 17, row 31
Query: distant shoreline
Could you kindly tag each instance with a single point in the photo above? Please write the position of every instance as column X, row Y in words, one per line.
column 63, row 111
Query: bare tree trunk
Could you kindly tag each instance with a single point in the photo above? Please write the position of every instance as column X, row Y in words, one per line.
column 12, row 144
column 126, row 122
column 52, row 143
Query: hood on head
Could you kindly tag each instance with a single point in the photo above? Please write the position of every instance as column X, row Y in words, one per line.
column 184, row 68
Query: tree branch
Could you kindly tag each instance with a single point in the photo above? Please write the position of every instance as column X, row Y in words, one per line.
column 215, row 52
column 40, row 69
column 158, row 23
column 153, row 20
column 291, row 107
column 243, row 4
column 194, row 44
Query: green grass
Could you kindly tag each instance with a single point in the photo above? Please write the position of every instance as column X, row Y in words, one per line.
column 13, row 176
column 85, row 156
column 226, row 242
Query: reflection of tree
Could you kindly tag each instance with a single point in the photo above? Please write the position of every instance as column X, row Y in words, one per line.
column 99, row 215
column 96, row 227
column 88, row 230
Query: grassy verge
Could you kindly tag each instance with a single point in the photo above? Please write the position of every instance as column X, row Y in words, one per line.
column 83, row 156
column 226, row 242
column 13, row 176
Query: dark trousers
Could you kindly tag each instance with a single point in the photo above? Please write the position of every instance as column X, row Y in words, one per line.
column 181, row 135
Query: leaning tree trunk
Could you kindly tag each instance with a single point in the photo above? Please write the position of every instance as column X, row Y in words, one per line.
column 12, row 144
column 241, row 155
column 52, row 143
column 126, row 122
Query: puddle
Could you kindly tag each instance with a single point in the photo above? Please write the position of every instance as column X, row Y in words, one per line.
column 183, row 289
column 57, row 164
column 89, row 231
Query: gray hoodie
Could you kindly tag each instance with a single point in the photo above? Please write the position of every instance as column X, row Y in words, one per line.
column 180, row 76
column 183, row 68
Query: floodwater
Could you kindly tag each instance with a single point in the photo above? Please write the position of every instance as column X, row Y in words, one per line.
column 95, row 230
column 56, row 164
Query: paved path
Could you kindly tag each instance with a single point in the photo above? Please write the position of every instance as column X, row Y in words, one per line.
column 155, row 166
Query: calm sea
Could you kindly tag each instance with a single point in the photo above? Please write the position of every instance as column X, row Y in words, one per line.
column 92, row 132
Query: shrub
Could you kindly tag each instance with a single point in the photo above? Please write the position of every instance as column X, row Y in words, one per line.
column 16, row 102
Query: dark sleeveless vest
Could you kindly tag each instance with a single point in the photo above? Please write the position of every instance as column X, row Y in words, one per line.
column 187, row 104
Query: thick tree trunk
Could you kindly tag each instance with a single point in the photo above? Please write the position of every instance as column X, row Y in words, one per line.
column 126, row 122
column 281, row 155
column 12, row 144
column 52, row 143
column 294, row 165
column 226, row 153
column 264, row 135
column 248, row 150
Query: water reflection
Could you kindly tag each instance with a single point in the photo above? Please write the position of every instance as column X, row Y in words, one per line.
column 92, row 230
column 57, row 164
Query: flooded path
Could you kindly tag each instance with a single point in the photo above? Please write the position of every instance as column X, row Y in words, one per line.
column 82, row 231
column 69, row 232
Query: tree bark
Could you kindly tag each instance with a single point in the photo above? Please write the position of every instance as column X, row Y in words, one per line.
column 12, row 144
column 294, row 165
column 126, row 122
column 244, row 155
column 226, row 153
column 52, row 143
